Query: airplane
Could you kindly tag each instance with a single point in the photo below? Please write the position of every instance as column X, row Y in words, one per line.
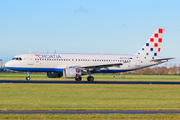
column 75, row 65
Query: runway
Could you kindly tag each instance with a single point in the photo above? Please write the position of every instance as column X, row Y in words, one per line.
column 89, row 112
column 86, row 82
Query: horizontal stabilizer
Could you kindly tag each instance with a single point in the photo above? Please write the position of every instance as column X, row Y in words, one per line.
column 157, row 60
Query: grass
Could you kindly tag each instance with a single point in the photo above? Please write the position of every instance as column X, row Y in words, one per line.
column 98, row 77
column 89, row 97
column 92, row 116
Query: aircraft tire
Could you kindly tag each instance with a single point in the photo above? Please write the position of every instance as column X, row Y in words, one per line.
column 28, row 78
column 90, row 78
column 78, row 79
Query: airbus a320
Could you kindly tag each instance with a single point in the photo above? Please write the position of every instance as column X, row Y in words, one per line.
column 76, row 65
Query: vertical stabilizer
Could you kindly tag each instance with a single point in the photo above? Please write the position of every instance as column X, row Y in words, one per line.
column 153, row 46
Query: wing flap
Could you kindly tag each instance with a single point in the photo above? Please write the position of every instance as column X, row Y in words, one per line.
column 98, row 66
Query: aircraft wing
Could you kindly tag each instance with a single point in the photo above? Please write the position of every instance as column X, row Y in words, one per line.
column 97, row 66
column 158, row 60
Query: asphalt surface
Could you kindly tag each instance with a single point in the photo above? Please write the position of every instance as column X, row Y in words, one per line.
column 89, row 112
column 86, row 82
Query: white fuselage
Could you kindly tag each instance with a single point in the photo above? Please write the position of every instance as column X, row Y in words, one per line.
column 46, row 62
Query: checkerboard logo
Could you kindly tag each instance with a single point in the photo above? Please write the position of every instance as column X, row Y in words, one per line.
column 153, row 46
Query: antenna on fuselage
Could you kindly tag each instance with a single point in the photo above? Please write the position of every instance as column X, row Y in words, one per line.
column 47, row 51
column 29, row 51
column 55, row 51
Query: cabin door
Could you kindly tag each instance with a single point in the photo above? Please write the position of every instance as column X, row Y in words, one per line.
column 138, row 62
column 30, row 59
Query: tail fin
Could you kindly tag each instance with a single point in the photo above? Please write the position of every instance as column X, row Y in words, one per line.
column 153, row 46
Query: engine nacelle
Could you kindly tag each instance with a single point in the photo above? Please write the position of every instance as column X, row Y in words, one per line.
column 72, row 72
column 54, row 74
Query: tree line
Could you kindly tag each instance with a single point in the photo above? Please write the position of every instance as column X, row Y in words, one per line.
column 163, row 70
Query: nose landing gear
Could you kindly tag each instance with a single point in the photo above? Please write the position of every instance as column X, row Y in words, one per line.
column 28, row 77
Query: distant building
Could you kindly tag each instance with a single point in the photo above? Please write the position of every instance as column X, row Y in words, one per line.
column 1, row 65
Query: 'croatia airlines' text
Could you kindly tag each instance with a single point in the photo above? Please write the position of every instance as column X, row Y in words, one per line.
column 48, row 56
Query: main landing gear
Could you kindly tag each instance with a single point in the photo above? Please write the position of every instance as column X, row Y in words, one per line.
column 28, row 77
column 78, row 78
column 90, row 78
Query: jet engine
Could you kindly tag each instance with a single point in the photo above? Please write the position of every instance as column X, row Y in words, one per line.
column 54, row 74
column 72, row 72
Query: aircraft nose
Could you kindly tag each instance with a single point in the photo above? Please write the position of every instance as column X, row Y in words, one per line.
column 8, row 64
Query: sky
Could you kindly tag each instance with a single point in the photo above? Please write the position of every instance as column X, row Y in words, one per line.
column 81, row 26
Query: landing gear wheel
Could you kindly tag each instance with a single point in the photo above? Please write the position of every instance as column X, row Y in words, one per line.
column 90, row 78
column 78, row 79
column 28, row 78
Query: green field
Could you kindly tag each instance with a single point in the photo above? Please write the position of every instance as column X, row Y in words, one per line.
column 90, row 97
column 98, row 77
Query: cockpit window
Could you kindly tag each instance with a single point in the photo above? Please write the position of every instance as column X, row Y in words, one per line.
column 17, row 58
